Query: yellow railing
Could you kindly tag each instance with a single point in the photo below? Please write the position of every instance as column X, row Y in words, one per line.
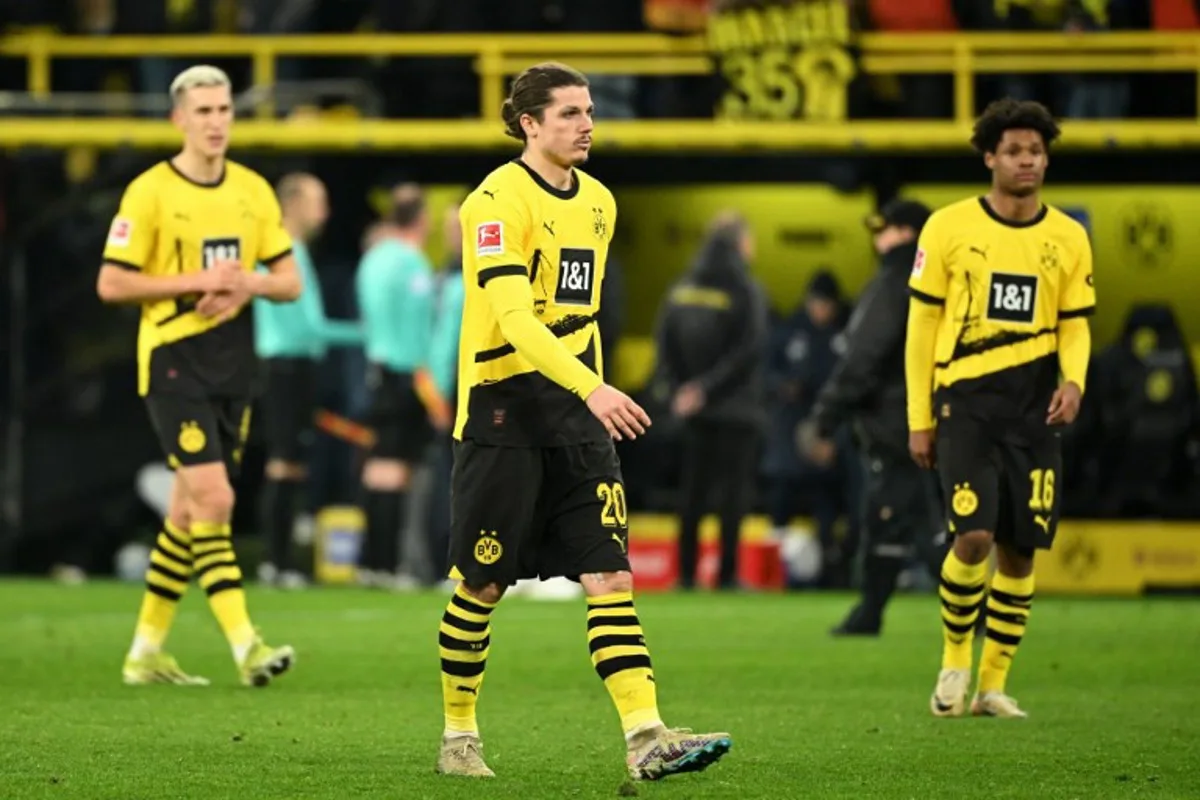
column 962, row 56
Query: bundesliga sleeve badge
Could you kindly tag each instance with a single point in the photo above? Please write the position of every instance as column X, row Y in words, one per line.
column 119, row 233
column 489, row 239
column 918, row 264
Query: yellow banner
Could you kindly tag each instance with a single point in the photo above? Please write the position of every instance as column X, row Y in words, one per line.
column 1120, row 558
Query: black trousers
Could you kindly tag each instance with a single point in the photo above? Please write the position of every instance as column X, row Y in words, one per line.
column 719, row 469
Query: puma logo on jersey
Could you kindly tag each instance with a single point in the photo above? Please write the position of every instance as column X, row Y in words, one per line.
column 982, row 253
column 1043, row 523
column 489, row 193
column 549, row 226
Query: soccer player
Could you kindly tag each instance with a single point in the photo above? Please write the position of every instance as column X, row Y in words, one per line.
column 184, row 245
column 292, row 339
column 396, row 301
column 996, row 360
column 537, row 485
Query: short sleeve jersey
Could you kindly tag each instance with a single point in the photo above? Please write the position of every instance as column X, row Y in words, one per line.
column 168, row 224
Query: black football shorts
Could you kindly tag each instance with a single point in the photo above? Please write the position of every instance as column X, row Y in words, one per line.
column 993, row 483
column 194, row 430
column 525, row 512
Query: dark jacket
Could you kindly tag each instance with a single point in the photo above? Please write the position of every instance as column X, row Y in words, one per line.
column 867, row 387
column 802, row 358
column 712, row 329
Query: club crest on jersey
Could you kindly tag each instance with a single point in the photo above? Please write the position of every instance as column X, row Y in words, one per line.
column 918, row 263
column 489, row 239
column 599, row 224
column 120, row 232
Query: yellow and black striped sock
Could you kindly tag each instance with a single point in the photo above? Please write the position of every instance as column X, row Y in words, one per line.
column 463, row 641
column 1008, row 605
column 217, row 572
column 166, row 582
column 961, row 590
column 619, row 654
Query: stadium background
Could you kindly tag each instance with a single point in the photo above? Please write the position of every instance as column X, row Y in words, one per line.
column 410, row 94
column 365, row 94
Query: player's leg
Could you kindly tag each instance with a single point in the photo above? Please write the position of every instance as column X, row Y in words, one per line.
column 494, row 491
column 971, row 483
column 588, row 537
column 206, row 476
column 166, row 582
column 287, row 417
column 1031, row 476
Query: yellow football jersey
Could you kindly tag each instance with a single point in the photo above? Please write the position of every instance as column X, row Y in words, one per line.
column 169, row 224
column 515, row 223
column 1004, row 287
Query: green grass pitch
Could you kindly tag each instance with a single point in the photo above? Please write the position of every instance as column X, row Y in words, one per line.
column 1112, row 687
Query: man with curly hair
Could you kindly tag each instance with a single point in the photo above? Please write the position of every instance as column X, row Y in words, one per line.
column 996, row 360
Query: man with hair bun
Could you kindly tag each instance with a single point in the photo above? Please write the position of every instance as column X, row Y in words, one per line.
column 537, row 487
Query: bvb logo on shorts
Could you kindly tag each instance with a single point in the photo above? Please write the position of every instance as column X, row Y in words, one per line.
column 965, row 501
column 191, row 438
column 488, row 549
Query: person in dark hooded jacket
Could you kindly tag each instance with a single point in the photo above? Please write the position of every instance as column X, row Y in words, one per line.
column 712, row 339
column 867, row 389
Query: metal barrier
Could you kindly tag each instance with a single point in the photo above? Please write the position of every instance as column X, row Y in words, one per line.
column 963, row 56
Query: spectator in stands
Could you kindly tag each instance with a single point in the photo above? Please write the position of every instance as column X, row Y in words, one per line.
column 712, row 338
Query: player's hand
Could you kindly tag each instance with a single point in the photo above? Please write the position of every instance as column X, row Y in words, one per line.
column 921, row 447
column 622, row 417
column 1064, row 406
column 688, row 400
column 223, row 276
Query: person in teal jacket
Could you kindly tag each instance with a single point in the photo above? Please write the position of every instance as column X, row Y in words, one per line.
column 442, row 368
column 395, row 290
column 291, row 340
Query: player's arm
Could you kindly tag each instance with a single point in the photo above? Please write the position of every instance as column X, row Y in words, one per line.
column 1077, row 302
column 927, row 296
column 281, row 282
column 127, row 252
column 497, row 262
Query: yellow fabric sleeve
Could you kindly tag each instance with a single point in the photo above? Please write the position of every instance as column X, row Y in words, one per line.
column 511, row 298
column 919, row 343
column 1074, row 350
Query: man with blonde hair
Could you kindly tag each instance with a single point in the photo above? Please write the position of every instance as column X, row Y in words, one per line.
column 184, row 246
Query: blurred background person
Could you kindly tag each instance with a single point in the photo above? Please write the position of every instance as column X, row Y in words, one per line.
column 802, row 356
column 395, row 298
column 867, row 389
column 440, row 391
column 292, row 339
column 712, row 337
